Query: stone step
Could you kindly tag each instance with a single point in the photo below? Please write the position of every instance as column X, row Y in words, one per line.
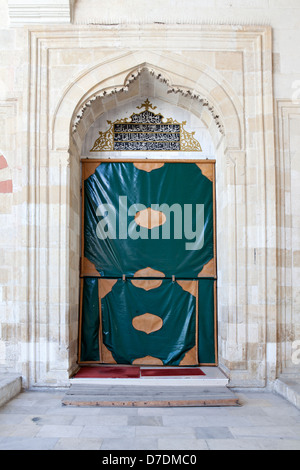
column 140, row 396
column 10, row 386
column 213, row 377
column 288, row 386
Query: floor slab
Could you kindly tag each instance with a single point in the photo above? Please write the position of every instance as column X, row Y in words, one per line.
column 37, row 420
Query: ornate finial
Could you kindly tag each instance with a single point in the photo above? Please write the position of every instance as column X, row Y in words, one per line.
column 147, row 105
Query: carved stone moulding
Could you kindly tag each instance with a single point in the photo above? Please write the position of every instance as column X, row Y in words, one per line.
column 156, row 74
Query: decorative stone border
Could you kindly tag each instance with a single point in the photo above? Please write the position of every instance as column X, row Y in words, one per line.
column 210, row 58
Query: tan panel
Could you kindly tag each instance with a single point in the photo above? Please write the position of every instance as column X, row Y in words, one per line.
column 105, row 286
column 88, row 268
column 189, row 286
column 208, row 170
column 190, row 358
column 147, row 284
column 209, row 269
column 148, row 323
column 148, row 361
column 149, row 272
column 150, row 218
column 106, row 356
column 148, row 166
column 89, row 169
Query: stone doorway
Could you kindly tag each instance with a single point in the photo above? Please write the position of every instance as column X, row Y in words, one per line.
column 223, row 76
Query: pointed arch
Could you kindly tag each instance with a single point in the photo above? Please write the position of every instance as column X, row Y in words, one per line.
column 197, row 82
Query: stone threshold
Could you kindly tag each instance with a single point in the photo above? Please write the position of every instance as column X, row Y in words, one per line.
column 10, row 386
column 213, row 377
column 288, row 386
column 150, row 396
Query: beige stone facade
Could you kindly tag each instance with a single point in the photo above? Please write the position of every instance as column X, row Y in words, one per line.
column 235, row 70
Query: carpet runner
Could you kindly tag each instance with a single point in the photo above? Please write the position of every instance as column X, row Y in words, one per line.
column 171, row 372
column 130, row 372
column 108, row 372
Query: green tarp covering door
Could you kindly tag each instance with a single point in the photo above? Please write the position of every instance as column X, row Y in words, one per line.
column 148, row 238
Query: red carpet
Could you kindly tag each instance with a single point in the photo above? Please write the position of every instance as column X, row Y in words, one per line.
column 108, row 372
column 112, row 372
column 170, row 372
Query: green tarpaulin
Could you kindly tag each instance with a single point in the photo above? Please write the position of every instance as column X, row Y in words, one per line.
column 168, row 302
column 162, row 220
column 180, row 321
column 90, row 321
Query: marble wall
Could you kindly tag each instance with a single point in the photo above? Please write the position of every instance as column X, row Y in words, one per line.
column 57, row 80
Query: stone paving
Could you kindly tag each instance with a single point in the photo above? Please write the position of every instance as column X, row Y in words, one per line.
column 36, row 420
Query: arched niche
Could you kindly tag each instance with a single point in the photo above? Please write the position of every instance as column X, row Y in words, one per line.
column 200, row 83
column 210, row 127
